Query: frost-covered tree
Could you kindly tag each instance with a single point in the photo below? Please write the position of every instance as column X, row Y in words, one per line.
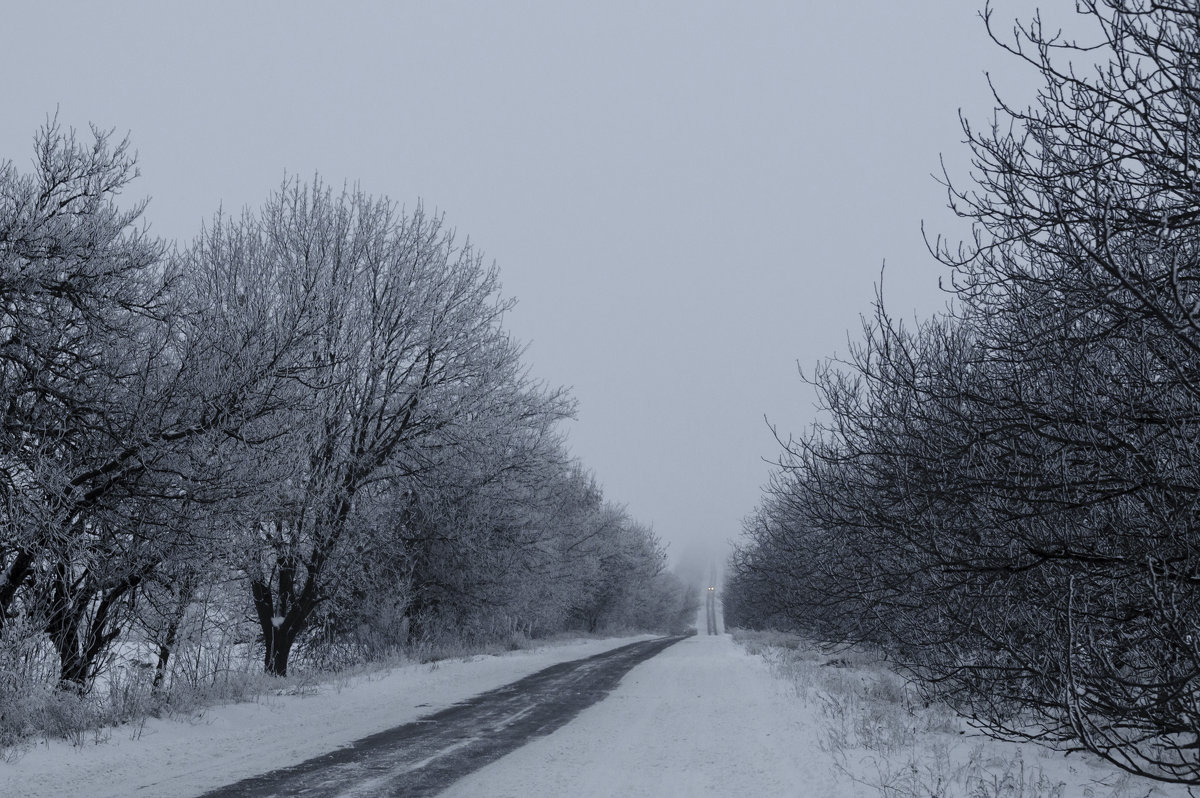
column 406, row 360
column 117, row 400
column 1005, row 497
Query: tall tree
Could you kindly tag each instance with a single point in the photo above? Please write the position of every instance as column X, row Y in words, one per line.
column 405, row 357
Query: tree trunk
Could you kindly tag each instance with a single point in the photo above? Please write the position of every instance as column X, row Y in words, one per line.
column 18, row 572
column 72, row 670
column 186, row 591
column 62, row 626
column 278, row 641
column 279, row 628
column 164, row 655
column 81, row 640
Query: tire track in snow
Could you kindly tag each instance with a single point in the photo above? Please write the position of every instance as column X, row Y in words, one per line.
column 424, row 757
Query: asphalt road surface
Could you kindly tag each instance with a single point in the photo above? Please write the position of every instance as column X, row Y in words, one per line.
column 426, row 756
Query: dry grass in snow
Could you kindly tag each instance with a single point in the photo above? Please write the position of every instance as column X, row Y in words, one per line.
column 883, row 736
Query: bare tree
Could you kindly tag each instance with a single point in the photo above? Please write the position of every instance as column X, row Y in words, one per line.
column 406, row 361
column 1005, row 497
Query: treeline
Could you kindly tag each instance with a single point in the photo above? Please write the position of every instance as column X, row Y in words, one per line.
column 1006, row 498
column 305, row 431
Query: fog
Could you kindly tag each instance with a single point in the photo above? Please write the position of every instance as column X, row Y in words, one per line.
column 689, row 199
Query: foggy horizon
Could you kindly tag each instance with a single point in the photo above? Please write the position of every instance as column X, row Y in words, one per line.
column 687, row 200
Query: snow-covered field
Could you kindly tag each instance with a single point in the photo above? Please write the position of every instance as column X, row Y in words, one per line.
column 182, row 757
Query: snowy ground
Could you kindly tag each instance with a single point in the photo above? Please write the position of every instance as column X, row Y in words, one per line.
column 223, row 744
column 887, row 741
column 704, row 718
column 707, row 718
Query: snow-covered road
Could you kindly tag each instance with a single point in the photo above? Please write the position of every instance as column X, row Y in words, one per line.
column 172, row 758
column 703, row 718
column 424, row 757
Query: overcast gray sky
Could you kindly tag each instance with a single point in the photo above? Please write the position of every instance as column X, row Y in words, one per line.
column 687, row 198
